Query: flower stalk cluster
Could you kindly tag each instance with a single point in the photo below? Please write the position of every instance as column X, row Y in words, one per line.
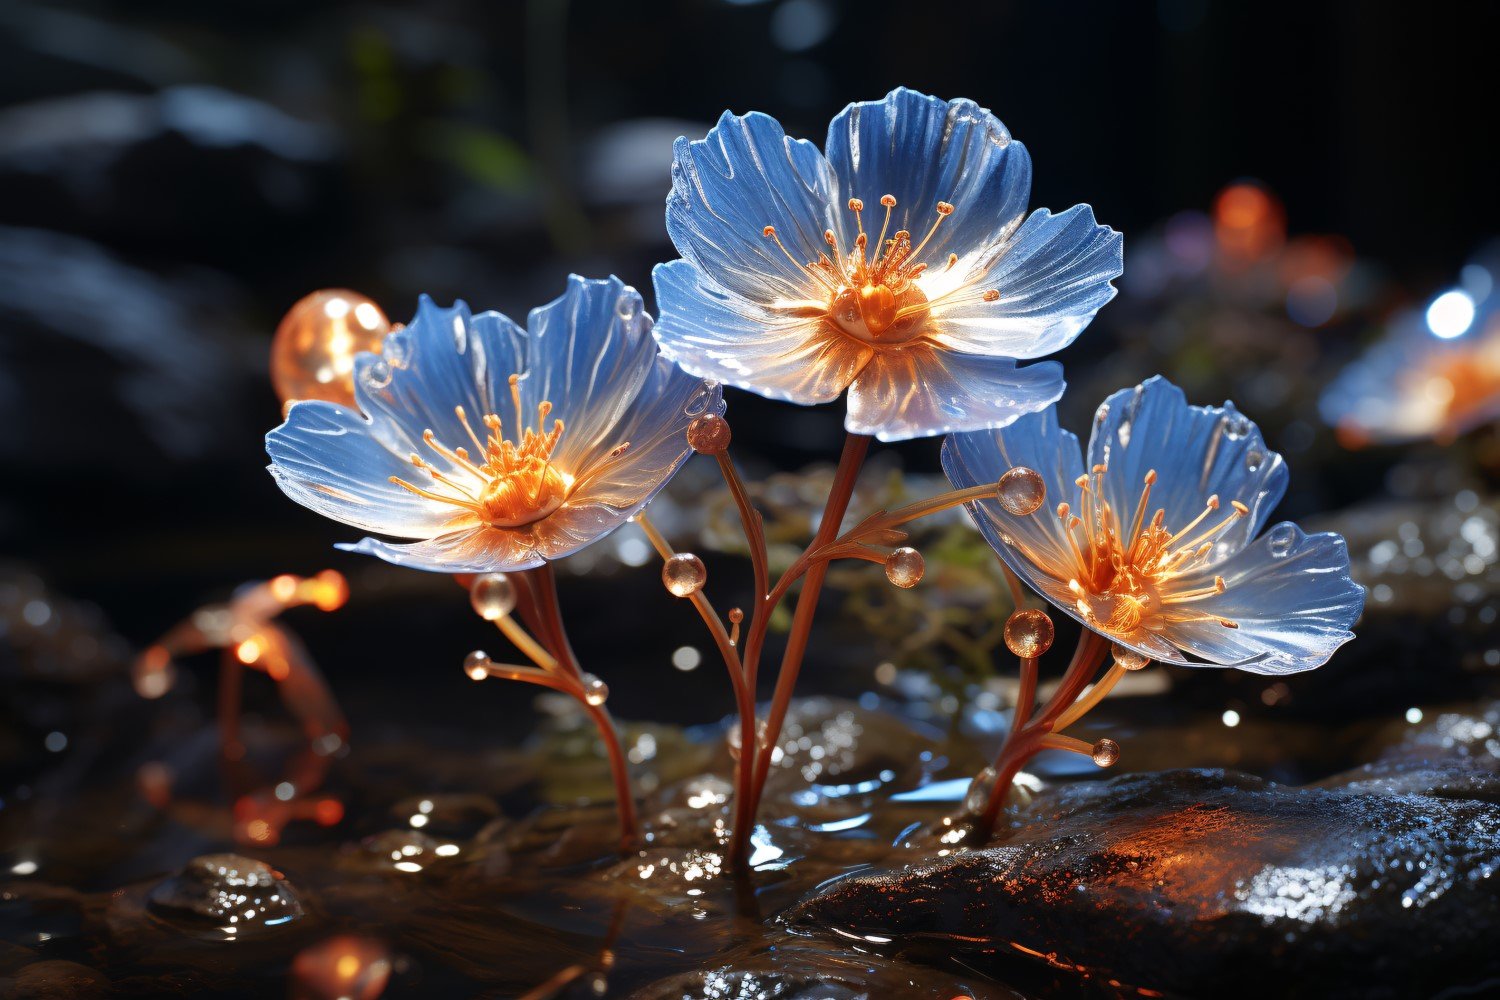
column 490, row 449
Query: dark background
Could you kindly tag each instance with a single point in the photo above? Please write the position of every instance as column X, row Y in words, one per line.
column 174, row 175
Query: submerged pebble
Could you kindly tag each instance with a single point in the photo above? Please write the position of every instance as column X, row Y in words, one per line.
column 232, row 895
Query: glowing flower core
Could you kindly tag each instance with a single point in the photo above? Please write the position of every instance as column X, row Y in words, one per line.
column 1124, row 577
column 875, row 301
column 513, row 483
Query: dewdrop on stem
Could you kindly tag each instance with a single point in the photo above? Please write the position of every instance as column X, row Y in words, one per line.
column 1029, row 633
column 904, row 567
column 684, row 574
column 493, row 596
column 1021, row 491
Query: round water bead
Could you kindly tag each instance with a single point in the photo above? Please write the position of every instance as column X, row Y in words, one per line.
column 1129, row 658
column 493, row 596
column 312, row 354
column 1106, row 752
column 709, row 434
column 684, row 574
column 1028, row 633
column 476, row 665
column 980, row 790
column 1022, row 490
column 595, row 691
column 904, row 567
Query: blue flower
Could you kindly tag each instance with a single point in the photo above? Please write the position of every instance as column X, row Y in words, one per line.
column 901, row 266
column 497, row 448
column 1154, row 543
column 1416, row 383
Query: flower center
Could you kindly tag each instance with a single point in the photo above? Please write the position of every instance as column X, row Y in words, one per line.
column 1125, row 577
column 505, row 483
column 875, row 299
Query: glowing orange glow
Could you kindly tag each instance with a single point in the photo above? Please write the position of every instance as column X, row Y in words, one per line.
column 312, row 354
column 258, row 830
column 284, row 588
column 1124, row 567
column 250, row 650
column 1249, row 222
column 873, row 296
column 330, row 591
column 509, row 483
column 328, row 812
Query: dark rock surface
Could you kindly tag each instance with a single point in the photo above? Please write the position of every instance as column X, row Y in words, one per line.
column 1202, row 882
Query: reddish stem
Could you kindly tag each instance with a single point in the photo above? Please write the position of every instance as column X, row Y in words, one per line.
column 1024, row 741
column 856, row 446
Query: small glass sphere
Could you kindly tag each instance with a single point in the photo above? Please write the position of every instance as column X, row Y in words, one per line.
column 1106, row 752
column 684, row 574
column 595, row 691
column 1028, row 633
column 709, row 434
column 1129, row 658
column 312, row 354
column 493, row 596
column 476, row 665
column 904, row 567
column 1021, row 491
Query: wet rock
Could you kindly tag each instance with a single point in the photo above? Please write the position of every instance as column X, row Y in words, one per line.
column 396, row 852
column 794, row 971
column 226, row 896
column 1187, row 880
column 55, row 980
column 447, row 815
column 1452, row 754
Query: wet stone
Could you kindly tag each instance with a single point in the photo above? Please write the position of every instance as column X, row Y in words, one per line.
column 832, row 749
column 1186, row 880
column 55, row 980
column 230, row 895
column 397, row 852
column 446, row 815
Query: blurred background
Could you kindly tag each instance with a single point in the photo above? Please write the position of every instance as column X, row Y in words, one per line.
column 1293, row 180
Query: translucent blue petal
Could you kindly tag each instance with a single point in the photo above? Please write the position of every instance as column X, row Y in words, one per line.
column 718, row 334
column 918, row 391
column 474, row 550
column 589, row 352
column 655, row 428
column 923, row 150
column 1033, row 545
column 326, row 458
column 729, row 186
column 444, row 358
column 1291, row 596
column 1197, row 451
column 1053, row 276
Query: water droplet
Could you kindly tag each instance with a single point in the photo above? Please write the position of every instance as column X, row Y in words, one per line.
column 1129, row 658
column 1106, row 752
column 595, row 691
column 1022, row 490
column 1236, row 425
column 684, row 574
column 378, row 374
column 396, row 348
column 629, row 305
column 1028, row 633
column 493, row 596
column 709, row 434
column 904, row 567
column 226, row 895
column 980, row 790
column 1281, row 539
column 1254, row 459
column 476, row 665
